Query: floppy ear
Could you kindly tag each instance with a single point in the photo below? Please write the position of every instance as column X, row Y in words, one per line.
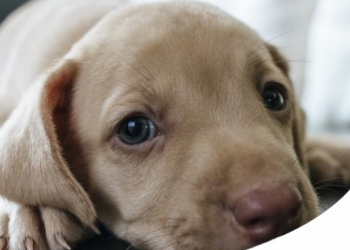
column 299, row 117
column 299, row 135
column 33, row 171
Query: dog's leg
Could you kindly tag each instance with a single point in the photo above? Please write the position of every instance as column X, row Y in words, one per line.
column 329, row 160
column 4, row 220
column 26, row 228
column 63, row 231
column 20, row 227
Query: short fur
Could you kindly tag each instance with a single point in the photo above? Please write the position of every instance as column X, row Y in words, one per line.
column 74, row 70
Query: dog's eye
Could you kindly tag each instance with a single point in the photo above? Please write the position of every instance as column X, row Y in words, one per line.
column 273, row 99
column 136, row 130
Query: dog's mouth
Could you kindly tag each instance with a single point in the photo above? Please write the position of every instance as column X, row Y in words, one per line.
column 183, row 237
column 257, row 217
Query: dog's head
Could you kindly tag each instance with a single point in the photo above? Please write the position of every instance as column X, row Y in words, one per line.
column 179, row 122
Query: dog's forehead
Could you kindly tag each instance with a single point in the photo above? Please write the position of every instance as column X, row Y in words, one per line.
column 194, row 42
column 181, row 56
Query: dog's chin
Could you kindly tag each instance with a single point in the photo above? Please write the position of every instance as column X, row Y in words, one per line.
column 217, row 229
column 187, row 238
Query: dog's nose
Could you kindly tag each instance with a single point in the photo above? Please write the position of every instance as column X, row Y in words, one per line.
column 268, row 211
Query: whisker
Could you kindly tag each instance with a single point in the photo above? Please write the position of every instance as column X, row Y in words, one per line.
column 176, row 219
column 296, row 160
column 299, row 61
column 329, row 189
column 337, row 186
column 265, row 43
column 257, row 65
column 169, row 245
column 322, row 207
column 145, row 242
column 328, row 179
column 189, row 182
column 134, row 86
column 285, row 33
column 126, row 61
column 174, row 242
column 129, row 247
column 144, row 83
column 156, row 230
column 143, row 65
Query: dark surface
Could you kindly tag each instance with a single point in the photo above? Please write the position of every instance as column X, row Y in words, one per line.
column 328, row 196
column 7, row 6
column 104, row 242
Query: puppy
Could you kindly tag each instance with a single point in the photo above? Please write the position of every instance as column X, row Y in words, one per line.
column 173, row 124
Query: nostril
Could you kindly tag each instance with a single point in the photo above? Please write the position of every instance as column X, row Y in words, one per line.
column 249, row 216
column 256, row 222
column 295, row 212
column 295, row 216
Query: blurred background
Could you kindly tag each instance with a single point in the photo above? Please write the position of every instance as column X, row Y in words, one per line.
column 313, row 35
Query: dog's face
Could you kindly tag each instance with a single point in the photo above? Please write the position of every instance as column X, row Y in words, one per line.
column 178, row 119
column 184, row 130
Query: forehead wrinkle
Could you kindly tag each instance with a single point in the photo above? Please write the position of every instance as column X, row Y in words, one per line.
column 171, row 50
column 125, row 100
column 263, row 68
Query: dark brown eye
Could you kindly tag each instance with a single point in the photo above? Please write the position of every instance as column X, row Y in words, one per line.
column 273, row 99
column 135, row 130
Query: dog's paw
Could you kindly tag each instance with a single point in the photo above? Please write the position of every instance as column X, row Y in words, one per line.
column 20, row 228
column 328, row 158
column 63, row 231
column 328, row 168
column 4, row 220
column 26, row 228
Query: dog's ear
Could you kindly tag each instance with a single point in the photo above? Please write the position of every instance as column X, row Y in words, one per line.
column 299, row 117
column 299, row 135
column 33, row 170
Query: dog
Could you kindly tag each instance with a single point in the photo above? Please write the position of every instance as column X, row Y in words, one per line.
column 173, row 124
